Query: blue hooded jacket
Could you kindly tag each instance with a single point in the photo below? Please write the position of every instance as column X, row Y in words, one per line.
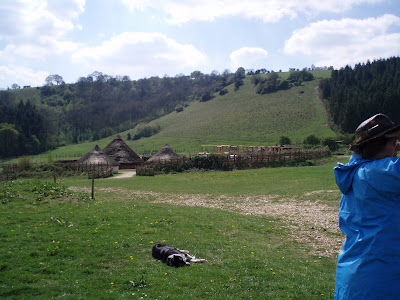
column 369, row 215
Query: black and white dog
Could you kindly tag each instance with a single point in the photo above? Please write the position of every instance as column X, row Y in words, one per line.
column 172, row 256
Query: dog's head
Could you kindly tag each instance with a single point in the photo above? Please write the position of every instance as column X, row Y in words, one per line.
column 177, row 260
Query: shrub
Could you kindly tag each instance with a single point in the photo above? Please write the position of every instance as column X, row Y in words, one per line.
column 146, row 131
column 330, row 143
column 312, row 140
column 210, row 162
column 283, row 85
column 284, row 140
column 206, row 97
column 223, row 92
column 24, row 163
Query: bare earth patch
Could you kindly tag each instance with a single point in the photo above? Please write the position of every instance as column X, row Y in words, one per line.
column 312, row 223
column 123, row 175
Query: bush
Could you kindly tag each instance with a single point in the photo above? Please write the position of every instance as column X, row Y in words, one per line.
column 223, row 92
column 284, row 140
column 206, row 97
column 210, row 162
column 146, row 131
column 330, row 143
column 24, row 163
column 284, row 85
column 312, row 140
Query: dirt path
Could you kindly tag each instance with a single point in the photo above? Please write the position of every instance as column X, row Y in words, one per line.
column 124, row 175
column 308, row 220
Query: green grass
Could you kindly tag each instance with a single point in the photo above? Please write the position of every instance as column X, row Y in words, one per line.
column 83, row 249
column 242, row 118
column 282, row 181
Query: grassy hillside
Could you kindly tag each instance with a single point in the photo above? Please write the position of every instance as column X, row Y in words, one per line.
column 236, row 118
column 243, row 118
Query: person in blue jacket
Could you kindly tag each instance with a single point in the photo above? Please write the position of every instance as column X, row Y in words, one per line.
column 368, row 266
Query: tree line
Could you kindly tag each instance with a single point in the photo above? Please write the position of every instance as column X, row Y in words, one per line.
column 24, row 129
column 355, row 94
column 97, row 106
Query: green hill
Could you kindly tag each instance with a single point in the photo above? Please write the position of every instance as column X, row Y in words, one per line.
column 243, row 118
column 240, row 117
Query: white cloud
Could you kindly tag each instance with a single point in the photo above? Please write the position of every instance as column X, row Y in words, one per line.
column 32, row 31
column 27, row 19
column 140, row 54
column 178, row 11
column 347, row 41
column 66, row 9
column 22, row 76
column 247, row 57
column 37, row 28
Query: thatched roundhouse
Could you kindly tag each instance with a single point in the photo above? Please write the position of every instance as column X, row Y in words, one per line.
column 123, row 154
column 165, row 155
column 97, row 157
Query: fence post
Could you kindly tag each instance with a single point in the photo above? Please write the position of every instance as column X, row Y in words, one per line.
column 93, row 186
column 5, row 191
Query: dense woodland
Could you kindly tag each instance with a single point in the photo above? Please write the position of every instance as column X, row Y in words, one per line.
column 355, row 94
column 100, row 105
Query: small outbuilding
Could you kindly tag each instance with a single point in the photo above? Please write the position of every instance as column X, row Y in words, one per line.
column 166, row 154
column 123, row 154
column 97, row 157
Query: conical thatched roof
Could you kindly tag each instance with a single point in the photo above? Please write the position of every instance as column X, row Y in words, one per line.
column 96, row 156
column 121, row 152
column 165, row 154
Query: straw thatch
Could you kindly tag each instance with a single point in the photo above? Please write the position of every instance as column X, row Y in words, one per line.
column 165, row 154
column 98, row 157
column 122, row 153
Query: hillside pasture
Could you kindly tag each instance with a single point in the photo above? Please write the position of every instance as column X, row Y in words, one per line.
column 243, row 118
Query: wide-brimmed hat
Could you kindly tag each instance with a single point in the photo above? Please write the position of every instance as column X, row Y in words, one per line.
column 375, row 127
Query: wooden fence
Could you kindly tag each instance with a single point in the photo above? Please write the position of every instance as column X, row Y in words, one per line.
column 286, row 155
column 250, row 160
column 11, row 171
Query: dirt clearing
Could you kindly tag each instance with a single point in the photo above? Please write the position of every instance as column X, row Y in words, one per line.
column 309, row 220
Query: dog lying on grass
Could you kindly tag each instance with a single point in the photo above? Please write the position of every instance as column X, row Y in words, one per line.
column 173, row 257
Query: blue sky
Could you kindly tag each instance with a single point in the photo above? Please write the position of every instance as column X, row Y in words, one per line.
column 144, row 38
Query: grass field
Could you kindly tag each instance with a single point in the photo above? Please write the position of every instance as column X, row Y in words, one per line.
column 56, row 246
